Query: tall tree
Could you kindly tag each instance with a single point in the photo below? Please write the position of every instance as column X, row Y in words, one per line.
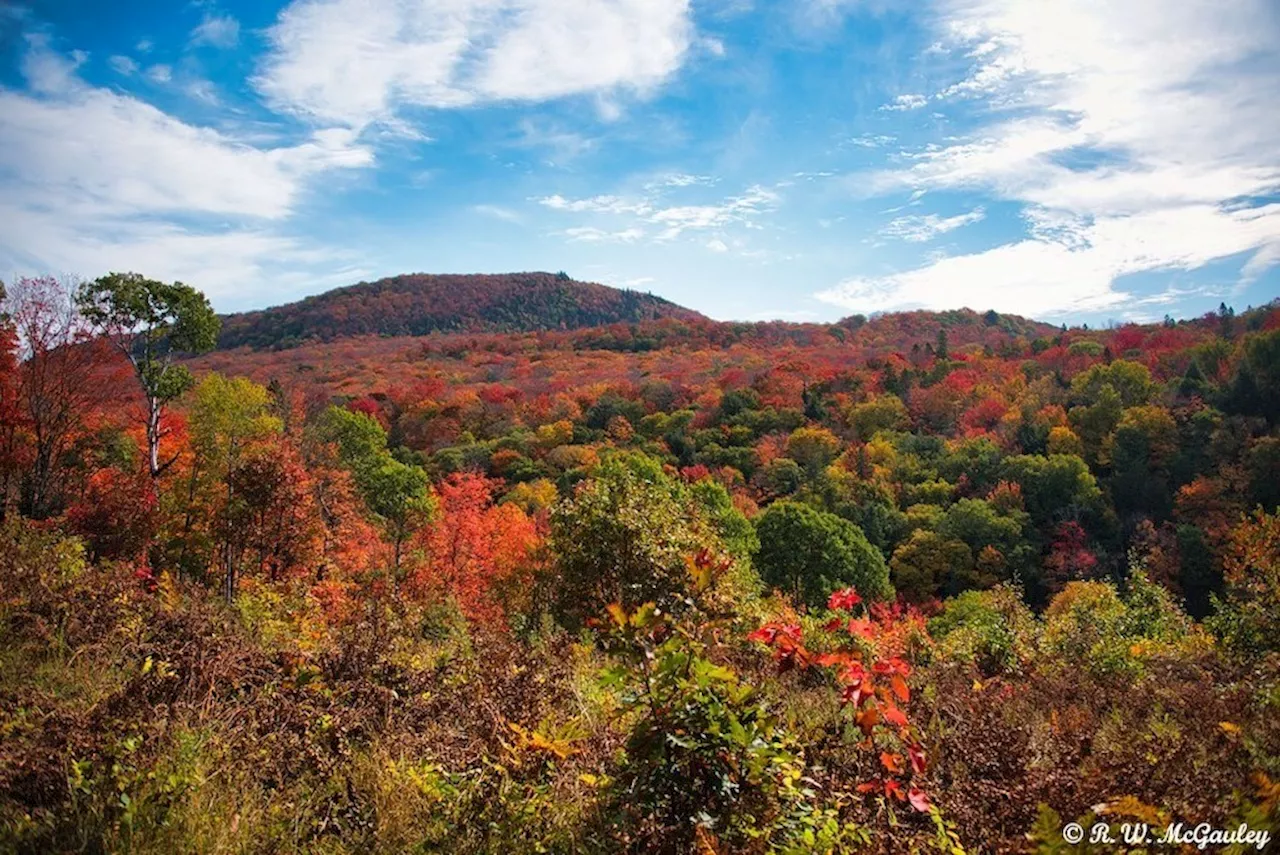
column 10, row 409
column 227, row 417
column 59, row 382
column 276, row 512
column 623, row 537
column 150, row 322
column 476, row 550
column 397, row 493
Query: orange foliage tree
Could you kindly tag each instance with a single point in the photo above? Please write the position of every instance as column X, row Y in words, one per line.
column 477, row 552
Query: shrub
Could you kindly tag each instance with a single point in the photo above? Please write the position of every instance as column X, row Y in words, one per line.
column 810, row 553
column 707, row 765
column 993, row 629
column 623, row 537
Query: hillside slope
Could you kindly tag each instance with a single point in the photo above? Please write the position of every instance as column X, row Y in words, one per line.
column 417, row 304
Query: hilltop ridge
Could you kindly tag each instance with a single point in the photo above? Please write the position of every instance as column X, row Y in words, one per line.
column 418, row 304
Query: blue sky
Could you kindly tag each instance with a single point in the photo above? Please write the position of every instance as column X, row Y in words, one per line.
column 803, row 160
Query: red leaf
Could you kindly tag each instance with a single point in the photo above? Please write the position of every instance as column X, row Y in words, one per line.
column 843, row 601
column 826, row 660
column 864, row 628
column 868, row 719
column 891, row 762
column 853, row 673
column 856, row 693
column 918, row 763
column 900, row 688
column 919, row 799
column 894, row 716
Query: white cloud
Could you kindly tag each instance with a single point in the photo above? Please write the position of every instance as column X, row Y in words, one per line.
column 231, row 265
column 591, row 234
column 564, row 145
column 49, row 72
column 871, row 140
column 681, row 179
column 202, row 90
column 737, row 209
column 1140, row 136
column 919, row 229
column 140, row 159
column 220, row 31
column 906, row 102
column 144, row 190
column 717, row 245
column 1043, row 276
column 498, row 212
column 1264, row 259
column 355, row 61
column 598, row 204
column 671, row 221
column 160, row 73
column 123, row 65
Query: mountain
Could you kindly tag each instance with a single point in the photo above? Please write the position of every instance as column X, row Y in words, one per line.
column 417, row 304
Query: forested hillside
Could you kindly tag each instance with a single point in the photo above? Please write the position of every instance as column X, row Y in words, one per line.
column 418, row 304
column 923, row 582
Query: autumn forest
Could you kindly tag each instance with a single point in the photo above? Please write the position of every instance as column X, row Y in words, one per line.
column 521, row 564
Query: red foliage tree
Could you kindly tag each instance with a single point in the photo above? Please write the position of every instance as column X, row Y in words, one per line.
column 476, row 550
column 11, row 416
column 983, row 417
column 117, row 514
column 276, row 510
column 1069, row 558
column 372, row 408
column 61, row 382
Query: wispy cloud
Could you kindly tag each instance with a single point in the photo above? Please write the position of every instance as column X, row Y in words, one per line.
column 220, row 31
column 1137, row 136
column 123, row 65
column 590, row 234
column 669, row 221
column 919, row 229
column 48, row 72
column 564, row 145
column 1073, row 273
column 498, row 212
column 681, row 179
column 871, row 140
column 906, row 102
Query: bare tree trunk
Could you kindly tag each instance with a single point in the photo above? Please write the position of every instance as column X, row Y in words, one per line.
column 153, row 436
